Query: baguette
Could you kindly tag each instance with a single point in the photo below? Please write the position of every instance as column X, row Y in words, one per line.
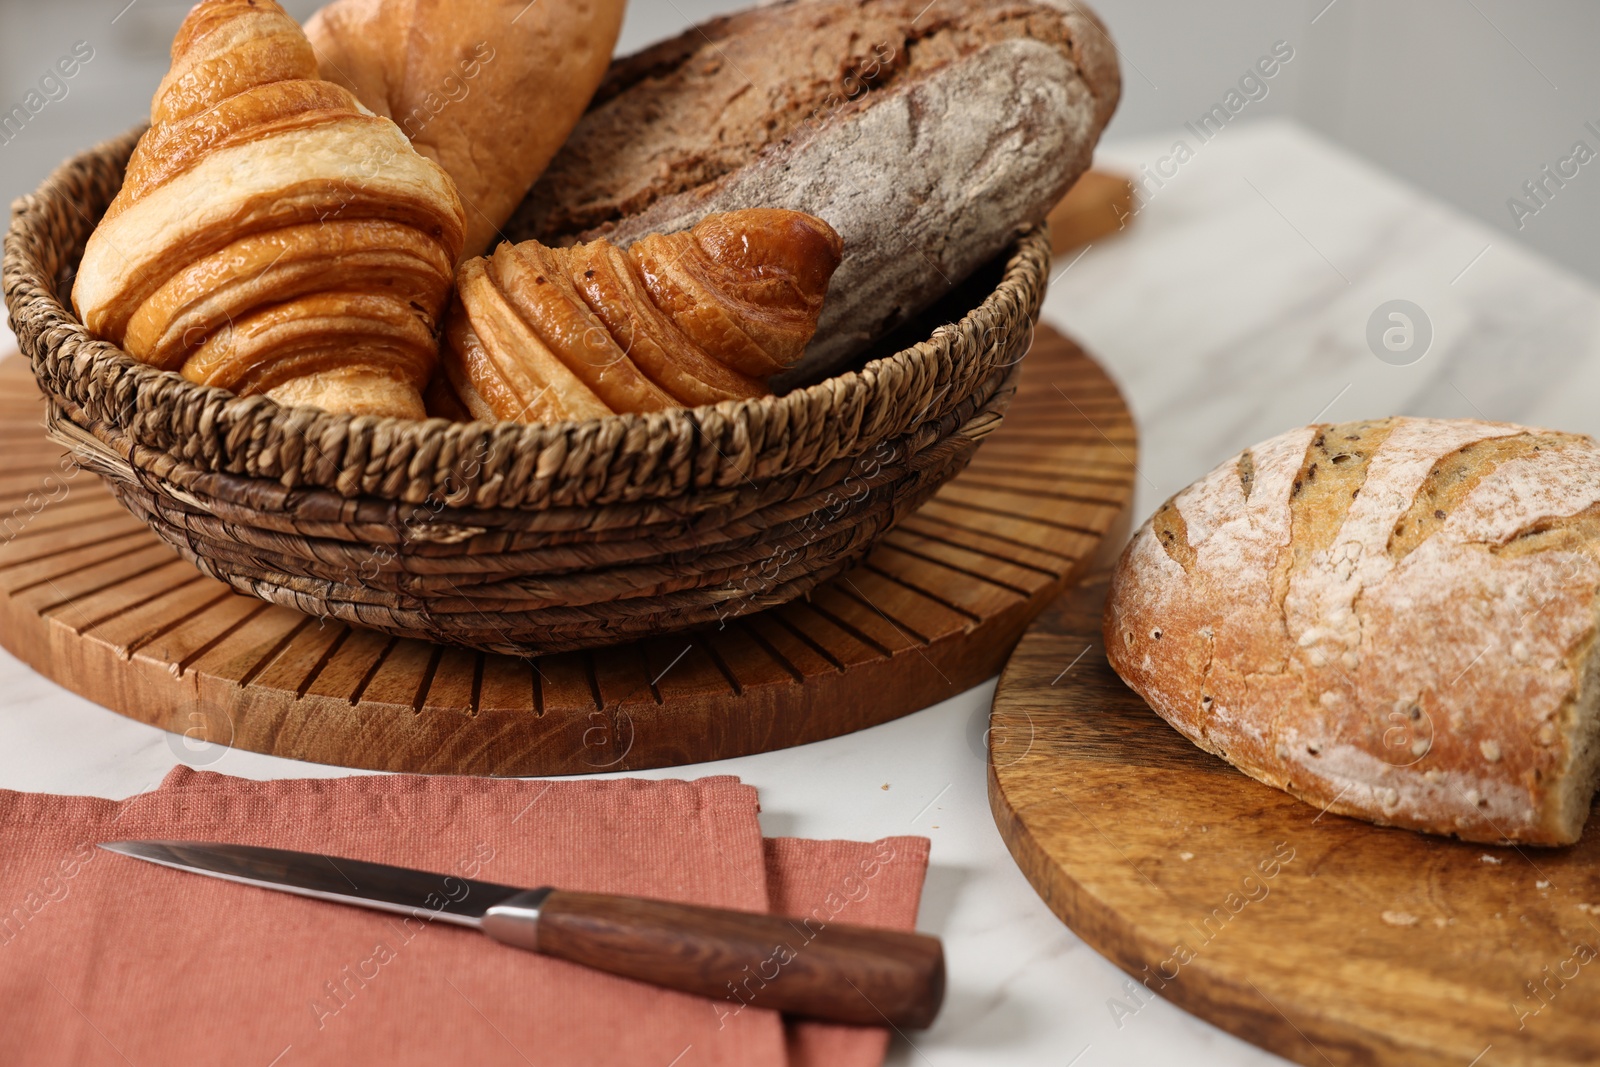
column 1393, row 620
column 488, row 89
column 926, row 135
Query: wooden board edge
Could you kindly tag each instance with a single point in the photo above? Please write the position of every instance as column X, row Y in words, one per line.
column 582, row 744
column 1306, row 1037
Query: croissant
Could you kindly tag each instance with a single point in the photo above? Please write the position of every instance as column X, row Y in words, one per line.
column 272, row 235
column 542, row 334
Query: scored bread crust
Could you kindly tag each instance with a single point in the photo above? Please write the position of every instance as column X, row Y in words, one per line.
column 925, row 134
column 1393, row 620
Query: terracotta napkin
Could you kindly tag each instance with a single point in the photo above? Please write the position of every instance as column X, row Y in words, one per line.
column 868, row 884
column 105, row 960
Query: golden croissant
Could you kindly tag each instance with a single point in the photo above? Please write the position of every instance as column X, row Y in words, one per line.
column 272, row 235
column 543, row 334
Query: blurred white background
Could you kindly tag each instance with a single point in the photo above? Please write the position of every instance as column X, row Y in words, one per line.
column 1467, row 99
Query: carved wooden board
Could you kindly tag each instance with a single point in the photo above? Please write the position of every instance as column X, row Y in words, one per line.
column 91, row 598
column 1327, row 940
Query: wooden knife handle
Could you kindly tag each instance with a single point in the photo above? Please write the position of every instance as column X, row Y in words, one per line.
column 802, row 966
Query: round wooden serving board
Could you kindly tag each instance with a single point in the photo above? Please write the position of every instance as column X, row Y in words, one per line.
column 90, row 597
column 1324, row 939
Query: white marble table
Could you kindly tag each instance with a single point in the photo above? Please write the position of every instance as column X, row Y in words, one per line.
column 1236, row 307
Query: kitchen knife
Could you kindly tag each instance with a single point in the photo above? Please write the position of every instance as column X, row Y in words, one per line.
column 803, row 966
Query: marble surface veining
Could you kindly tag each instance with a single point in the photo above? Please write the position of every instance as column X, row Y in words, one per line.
column 1233, row 308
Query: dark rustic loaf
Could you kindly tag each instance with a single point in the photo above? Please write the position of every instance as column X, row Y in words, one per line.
column 1394, row 620
column 925, row 134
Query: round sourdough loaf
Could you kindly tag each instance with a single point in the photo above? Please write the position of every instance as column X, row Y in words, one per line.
column 925, row 134
column 1393, row 620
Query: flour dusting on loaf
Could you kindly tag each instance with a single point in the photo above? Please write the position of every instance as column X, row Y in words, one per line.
column 926, row 134
column 1393, row 620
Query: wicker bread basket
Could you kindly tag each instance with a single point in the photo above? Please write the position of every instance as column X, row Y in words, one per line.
column 509, row 538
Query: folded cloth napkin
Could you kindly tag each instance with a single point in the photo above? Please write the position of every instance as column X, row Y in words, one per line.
column 867, row 884
column 107, row 960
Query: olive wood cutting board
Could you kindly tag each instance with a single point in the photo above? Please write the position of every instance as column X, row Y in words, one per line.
column 91, row 598
column 1327, row 940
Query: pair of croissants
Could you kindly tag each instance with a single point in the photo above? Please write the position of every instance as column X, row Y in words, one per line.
column 279, row 233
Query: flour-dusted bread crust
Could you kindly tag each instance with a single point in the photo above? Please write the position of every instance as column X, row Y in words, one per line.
column 925, row 134
column 1393, row 620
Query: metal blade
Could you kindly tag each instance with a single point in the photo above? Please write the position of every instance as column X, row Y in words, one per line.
column 445, row 897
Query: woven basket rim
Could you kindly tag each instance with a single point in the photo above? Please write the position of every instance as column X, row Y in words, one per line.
column 87, row 370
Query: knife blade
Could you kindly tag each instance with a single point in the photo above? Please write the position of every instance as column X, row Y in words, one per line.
column 802, row 966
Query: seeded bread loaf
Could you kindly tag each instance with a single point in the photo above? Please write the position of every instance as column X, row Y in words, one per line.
column 925, row 134
column 1393, row 620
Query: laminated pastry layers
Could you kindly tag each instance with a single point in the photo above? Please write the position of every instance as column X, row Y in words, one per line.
column 272, row 235
column 544, row 334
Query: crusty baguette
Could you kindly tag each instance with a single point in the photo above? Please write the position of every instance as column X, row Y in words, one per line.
column 925, row 134
column 1394, row 620
column 488, row 89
